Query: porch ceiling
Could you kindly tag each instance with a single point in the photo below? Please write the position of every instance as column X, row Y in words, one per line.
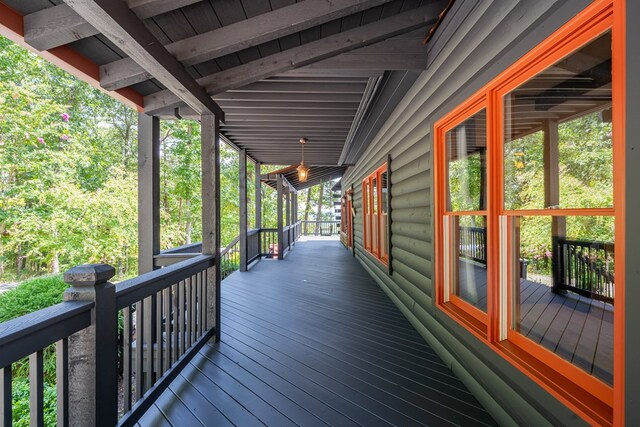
column 280, row 70
column 317, row 175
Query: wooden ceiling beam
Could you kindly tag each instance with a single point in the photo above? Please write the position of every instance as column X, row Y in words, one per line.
column 60, row 25
column 119, row 24
column 288, row 97
column 305, row 54
column 240, row 35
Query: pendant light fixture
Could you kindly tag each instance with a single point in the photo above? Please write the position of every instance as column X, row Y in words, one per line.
column 303, row 170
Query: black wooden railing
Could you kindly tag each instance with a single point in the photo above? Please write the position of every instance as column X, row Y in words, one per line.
column 269, row 242
column 473, row 243
column 166, row 316
column 584, row 267
column 30, row 336
column 253, row 245
column 473, row 246
column 320, row 228
column 230, row 258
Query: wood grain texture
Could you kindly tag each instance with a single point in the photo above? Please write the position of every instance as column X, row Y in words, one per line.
column 303, row 55
column 59, row 25
column 237, row 36
column 121, row 26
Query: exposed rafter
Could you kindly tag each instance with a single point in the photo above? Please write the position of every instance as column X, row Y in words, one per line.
column 60, row 25
column 241, row 35
column 303, row 55
column 118, row 23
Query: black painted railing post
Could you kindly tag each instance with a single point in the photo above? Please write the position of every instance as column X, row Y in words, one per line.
column 93, row 398
column 556, row 261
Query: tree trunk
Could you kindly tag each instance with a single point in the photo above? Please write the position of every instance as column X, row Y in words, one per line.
column 188, row 225
column 319, row 211
column 55, row 264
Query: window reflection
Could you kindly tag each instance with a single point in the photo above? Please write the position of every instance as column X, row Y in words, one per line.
column 466, row 146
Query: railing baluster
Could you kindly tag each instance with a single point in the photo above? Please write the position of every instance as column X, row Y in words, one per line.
column 36, row 389
column 159, row 347
column 200, row 304
column 192, row 309
column 62, row 382
column 6, row 397
column 148, row 343
column 139, row 351
column 181, row 286
column 126, row 358
column 166, row 297
column 174, row 308
column 187, row 297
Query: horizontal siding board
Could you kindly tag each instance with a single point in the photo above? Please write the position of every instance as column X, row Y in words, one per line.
column 418, row 231
column 412, row 215
column 417, row 182
column 416, row 163
column 415, row 247
column 416, row 284
column 415, row 199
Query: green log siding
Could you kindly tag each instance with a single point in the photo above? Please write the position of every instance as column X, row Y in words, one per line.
column 477, row 40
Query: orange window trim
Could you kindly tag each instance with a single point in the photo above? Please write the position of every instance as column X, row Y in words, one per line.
column 464, row 312
column 368, row 216
column 595, row 401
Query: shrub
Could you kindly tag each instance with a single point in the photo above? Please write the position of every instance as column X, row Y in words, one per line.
column 21, row 403
column 31, row 295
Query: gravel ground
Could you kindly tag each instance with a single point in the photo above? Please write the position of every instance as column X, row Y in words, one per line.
column 4, row 287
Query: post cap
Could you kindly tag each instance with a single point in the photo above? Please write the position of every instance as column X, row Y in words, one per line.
column 89, row 274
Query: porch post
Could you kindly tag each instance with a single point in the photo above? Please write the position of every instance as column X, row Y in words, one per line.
column 93, row 395
column 288, row 215
column 280, row 188
column 258, row 197
column 243, row 209
column 148, row 191
column 210, row 141
column 294, row 213
column 551, row 160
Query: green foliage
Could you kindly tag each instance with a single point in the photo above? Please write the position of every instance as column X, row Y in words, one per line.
column 21, row 403
column 31, row 295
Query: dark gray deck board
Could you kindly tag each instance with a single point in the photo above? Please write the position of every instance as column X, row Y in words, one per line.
column 312, row 340
column 576, row 328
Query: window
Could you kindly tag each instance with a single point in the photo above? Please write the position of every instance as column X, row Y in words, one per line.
column 527, row 214
column 375, row 214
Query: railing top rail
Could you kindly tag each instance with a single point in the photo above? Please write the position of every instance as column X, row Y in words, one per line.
column 588, row 243
column 27, row 334
column 268, row 230
column 252, row 232
column 190, row 248
column 332, row 221
column 136, row 289
column 229, row 246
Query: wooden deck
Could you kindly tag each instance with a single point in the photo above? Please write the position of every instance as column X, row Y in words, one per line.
column 577, row 328
column 311, row 341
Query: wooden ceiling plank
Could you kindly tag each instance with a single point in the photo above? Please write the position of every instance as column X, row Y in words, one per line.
column 120, row 25
column 238, row 36
column 304, row 55
column 60, row 25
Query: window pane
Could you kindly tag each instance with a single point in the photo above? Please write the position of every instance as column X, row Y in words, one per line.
column 558, row 145
column 466, row 146
column 374, row 216
column 385, row 217
column 468, row 254
column 564, row 287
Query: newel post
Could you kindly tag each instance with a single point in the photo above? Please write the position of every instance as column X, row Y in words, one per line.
column 93, row 398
